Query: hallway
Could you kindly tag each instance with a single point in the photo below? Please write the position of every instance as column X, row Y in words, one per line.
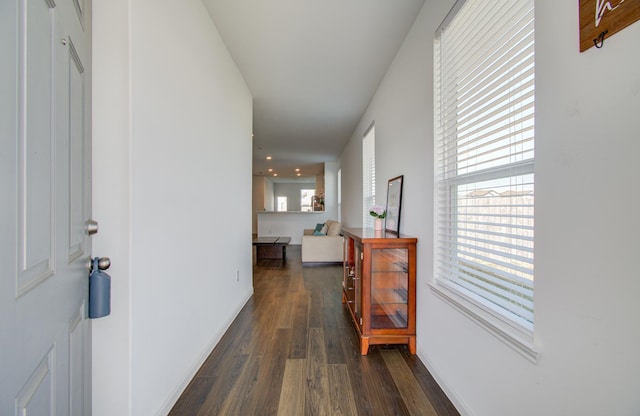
column 292, row 351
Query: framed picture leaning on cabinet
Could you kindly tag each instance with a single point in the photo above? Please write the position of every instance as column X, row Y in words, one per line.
column 394, row 203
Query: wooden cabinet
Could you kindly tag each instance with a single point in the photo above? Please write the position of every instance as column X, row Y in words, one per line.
column 379, row 286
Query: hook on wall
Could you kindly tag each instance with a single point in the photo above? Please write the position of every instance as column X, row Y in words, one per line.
column 599, row 41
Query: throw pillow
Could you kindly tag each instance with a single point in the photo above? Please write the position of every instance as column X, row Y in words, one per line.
column 318, row 233
column 325, row 227
column 319, row 227
column 334, row 229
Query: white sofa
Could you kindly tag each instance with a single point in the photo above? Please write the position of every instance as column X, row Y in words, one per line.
column 327, row 248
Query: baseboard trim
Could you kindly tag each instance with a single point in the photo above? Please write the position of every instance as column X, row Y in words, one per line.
column 173, row 398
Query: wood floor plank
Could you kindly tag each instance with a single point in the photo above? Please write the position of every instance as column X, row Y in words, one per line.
column 232, row 341
column 334, row 338
column 380, row 394
column 373, row 389
column 194, row 397
column 317, row 395
column 293, row 388
column 238, row 400
column 413, row 396
column 340, row 393
column 270, row 375
column 228, row 375
column 332, row 311
column 315, row 309
column 286, row 313
column 315, row 280
column 296, row 282
column 434, row 393
column 300, row 327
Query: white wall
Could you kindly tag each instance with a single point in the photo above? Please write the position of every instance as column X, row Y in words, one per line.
column 172, row 116
column 268, row 195
column 352, row 190
column 111, row 364
column 587, row 326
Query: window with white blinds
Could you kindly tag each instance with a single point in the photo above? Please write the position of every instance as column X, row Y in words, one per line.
column 368, row 176
column 484, row 155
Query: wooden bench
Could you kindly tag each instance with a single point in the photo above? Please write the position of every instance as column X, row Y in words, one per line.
column 271, row 247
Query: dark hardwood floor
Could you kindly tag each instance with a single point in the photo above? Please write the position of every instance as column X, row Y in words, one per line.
column 292, row 351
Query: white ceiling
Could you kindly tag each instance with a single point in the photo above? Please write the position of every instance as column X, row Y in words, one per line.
column 312, row 67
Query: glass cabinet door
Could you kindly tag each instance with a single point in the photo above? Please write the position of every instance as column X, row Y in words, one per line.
column 357, row 283
column 389, row 288
column 353, row 277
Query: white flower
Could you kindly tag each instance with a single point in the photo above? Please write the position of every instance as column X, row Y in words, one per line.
column 378, row 211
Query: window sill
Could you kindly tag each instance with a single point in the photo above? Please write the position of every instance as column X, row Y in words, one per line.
column 515, row 336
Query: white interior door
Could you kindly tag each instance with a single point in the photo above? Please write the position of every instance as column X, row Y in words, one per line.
column 45, row 177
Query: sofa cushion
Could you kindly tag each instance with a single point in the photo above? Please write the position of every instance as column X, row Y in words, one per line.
column 334, row 228
column 322, row 249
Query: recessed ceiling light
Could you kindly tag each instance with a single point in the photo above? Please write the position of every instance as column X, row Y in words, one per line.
column 270, row 170
column 297, row 169
column 268, row 157
column 275, row 174
column 298, row 174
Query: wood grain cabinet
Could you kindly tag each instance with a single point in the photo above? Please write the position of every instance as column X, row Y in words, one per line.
column 379, row 286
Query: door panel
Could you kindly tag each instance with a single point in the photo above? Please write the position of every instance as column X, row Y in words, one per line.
column 35, row 141
column 77, row 360
column 77, row 219
column 37, row 395
column 45, row 166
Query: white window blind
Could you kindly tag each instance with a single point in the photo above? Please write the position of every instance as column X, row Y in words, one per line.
column 484, row 151
column 368, row 176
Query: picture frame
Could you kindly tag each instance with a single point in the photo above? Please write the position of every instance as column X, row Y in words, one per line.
column 604, row 18
column 394, row 204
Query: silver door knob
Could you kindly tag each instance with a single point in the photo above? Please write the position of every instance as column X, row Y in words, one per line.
column 92, row 227
column 104, row 263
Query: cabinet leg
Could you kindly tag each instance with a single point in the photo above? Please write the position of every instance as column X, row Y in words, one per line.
column 364, row 346
column 412, row 345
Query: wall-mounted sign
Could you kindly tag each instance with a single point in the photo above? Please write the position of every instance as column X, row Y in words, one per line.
column 599, row 19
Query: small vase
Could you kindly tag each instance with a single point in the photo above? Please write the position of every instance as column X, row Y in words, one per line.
column 377, row 224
